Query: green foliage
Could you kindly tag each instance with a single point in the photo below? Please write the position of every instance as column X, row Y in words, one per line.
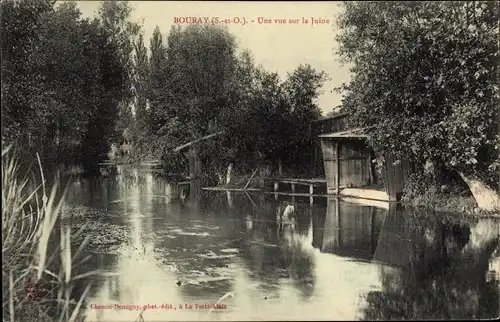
column 197, row 86
column 425, row 80
column 63, row 81
column 74, row 86
column 123, row 33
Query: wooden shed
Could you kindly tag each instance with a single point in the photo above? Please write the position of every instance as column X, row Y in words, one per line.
column 329, row 124
column 347, row 160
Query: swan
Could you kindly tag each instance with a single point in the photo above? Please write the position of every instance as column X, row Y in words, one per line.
column 287, row 215
column 288, row 212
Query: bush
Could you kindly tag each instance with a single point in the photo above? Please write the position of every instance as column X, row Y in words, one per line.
column 418, row 185
column 423, row 191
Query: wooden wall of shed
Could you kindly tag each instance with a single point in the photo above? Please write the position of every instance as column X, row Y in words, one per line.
column 316, row 167
column 395, row 175
column 353, row 161
column 322, row 126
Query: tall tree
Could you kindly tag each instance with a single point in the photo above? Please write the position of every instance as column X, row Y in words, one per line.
column 425, row 82
column 21, row 83
column 141, row 87
column 157, row 81
column 189, row 82
column 123, row 32
column 62, row 82
column 302, row 89
column 198, row 86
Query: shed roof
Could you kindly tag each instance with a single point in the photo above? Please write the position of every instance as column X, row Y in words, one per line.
column 333, row 116
column 352, row 133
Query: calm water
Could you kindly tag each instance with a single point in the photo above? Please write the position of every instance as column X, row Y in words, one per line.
column 339, row 261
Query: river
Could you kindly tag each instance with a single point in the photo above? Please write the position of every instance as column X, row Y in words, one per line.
column 167, row 259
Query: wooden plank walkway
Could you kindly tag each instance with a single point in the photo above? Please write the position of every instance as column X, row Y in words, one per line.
column 229, row 189
column 295, row 194
column 293, row 182
column 300, row 181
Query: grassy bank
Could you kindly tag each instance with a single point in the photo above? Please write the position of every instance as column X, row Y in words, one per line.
column 39, row 269
column 435, row 200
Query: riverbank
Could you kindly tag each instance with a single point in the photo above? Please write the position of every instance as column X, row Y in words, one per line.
column 448, row 203
column 432, row 200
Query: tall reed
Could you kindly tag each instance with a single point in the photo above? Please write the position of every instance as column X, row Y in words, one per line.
column 38, row 284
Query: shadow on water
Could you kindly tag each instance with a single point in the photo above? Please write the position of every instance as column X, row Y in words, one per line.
column 336, row 260
column 440, row 266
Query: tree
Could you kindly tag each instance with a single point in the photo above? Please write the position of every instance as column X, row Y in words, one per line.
column 200, row 67
column 141, row 103
column 190, row 82
column 425, row 83
column 302, row 88
column 198, row 86
column 62, row 82
column 115, row 18
column 141, row 62
column 21, row 85
column 158, row 82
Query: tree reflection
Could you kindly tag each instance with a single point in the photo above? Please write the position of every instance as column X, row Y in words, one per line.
column 443, row 275
column 275, row 252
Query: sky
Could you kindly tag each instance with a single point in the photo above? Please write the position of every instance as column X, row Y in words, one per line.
column 277, row 47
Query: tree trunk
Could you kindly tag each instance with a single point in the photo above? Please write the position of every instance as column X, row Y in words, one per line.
column 486, row 198
column 229, row 173
column 262, row 175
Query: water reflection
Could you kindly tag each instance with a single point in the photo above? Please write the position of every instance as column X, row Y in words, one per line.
column 440, row 268
column 339, row 260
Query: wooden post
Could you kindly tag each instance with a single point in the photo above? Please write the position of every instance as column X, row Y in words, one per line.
column 370, row 168
column 337, row 168
column 338, row 217
column 195, row 193
column 311, row 192
column 293, row 187
column 194, row 163
column 311, row 155
column 276, row 186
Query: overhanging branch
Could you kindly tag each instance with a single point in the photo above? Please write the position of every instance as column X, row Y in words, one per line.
column 206, row 137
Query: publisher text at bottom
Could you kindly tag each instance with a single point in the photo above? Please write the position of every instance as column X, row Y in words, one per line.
column 144, row 307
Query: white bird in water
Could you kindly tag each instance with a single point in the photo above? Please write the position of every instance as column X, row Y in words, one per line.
column 287, row 215
column 288, row 212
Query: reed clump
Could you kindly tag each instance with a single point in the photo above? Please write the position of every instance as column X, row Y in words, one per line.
column 39, row 269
